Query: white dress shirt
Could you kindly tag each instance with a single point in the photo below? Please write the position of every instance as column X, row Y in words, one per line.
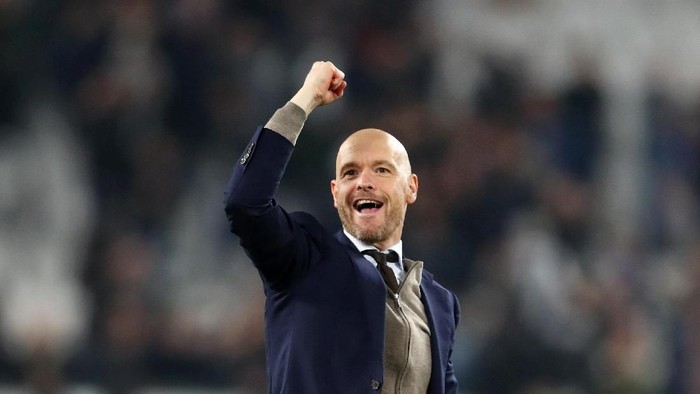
column 396, row 267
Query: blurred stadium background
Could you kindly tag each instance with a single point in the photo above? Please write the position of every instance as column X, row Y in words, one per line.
column 557, row 145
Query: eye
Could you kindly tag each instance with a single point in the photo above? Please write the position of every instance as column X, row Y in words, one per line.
column 383, row 170
column 351, row 172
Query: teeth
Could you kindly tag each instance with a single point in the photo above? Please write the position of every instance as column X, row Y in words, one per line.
column 361, row 204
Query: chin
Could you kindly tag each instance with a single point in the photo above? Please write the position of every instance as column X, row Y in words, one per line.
column 369, row 237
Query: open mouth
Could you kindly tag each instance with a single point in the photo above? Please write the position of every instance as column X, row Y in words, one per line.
column 367, row 205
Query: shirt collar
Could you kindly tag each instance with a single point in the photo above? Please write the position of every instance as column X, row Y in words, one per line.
column 398, row 247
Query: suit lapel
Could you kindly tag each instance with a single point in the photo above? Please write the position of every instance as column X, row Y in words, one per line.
column 372, row 288
column 438, row 316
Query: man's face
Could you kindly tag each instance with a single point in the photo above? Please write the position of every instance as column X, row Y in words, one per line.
column 373, row 187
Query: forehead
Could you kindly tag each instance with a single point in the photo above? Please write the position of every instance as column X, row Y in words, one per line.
column 353, row 151
column 368, row 146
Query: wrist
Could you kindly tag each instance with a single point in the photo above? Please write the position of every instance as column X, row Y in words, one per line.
column 305, row 100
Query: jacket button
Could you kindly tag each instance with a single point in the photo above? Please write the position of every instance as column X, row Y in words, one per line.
column 375, row 384
column 248, row 152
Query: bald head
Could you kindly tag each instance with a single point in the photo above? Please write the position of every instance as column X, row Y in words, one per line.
column 373, row 140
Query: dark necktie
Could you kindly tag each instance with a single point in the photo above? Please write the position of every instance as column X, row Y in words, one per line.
column 387, row 273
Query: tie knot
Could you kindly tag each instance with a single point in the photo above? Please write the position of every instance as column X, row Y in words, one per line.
column 378, row 256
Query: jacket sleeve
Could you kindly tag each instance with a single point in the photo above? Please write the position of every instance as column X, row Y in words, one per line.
column 278, row 247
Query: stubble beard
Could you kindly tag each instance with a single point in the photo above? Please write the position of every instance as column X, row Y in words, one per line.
column 394, row 219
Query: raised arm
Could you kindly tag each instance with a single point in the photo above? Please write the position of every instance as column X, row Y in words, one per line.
column 272, row 240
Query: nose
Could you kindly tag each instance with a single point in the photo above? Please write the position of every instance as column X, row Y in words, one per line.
column 364, row 181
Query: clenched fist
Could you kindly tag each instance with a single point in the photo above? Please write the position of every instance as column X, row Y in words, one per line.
column 324, row 84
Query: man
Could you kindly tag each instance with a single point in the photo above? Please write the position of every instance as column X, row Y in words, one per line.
column 333, row 324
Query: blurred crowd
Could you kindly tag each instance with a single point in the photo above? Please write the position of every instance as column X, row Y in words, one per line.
column 559, row 182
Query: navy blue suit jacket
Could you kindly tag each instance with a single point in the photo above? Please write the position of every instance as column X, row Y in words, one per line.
column 325, row 304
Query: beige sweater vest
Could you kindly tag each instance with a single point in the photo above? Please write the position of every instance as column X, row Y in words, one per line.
column 407, row 361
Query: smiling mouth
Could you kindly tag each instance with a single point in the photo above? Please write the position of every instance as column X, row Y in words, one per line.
column 366, row 205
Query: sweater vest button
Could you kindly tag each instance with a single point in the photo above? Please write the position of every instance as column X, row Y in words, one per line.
column 375, row 384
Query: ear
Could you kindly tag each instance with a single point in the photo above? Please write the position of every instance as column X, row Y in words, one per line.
column 412, row 194
column 333, row 193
